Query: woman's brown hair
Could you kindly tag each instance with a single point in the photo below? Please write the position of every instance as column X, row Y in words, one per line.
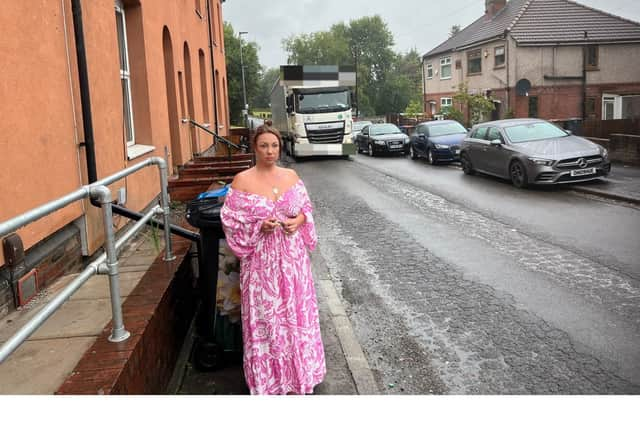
column 266, row 128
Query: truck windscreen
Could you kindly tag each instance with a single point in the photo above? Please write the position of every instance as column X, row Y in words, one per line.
column 323, row 102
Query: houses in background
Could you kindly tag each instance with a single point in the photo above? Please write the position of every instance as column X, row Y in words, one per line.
column 553, row 59
column 149, row 64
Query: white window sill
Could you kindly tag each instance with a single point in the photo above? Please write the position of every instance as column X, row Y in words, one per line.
column 445, row 78
column 138, row 150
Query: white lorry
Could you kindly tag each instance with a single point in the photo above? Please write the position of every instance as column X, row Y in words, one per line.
column 311, row 107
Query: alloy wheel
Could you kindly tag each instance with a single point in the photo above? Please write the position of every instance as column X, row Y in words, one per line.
column 371, row 149
column 518, row 174
column 412, row 153
column 467, row 167
column 430, row 158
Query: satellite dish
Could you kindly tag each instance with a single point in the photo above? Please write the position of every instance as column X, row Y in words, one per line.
column 523, row 87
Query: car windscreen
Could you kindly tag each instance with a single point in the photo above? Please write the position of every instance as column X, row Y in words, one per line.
column 533, row 131
column 324, row 102
column 384, row 129
column 360, row 125
column 446, row 129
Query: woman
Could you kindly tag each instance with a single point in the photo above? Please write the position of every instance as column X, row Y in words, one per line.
column 268, row 224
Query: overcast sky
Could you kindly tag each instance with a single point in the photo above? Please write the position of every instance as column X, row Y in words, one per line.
column 422, row 24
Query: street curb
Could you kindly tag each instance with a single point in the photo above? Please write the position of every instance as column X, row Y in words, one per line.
column 606, row 194
column 356, row 360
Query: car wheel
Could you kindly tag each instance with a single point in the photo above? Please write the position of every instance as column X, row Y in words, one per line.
column 371, row 153
column 412, row 152
column 430, row 157
column 467, row 166
column 518, row 174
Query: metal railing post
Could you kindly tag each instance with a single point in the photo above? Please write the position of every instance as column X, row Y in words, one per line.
column 166, row 210
column 103, row 194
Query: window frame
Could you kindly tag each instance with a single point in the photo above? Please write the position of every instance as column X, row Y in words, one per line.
column 474, row 55
column 125, row 74
column 442, row 105
column 444, row 63
column 496, row 56
column 533, row 100
column 429, row 71
column 596, row 53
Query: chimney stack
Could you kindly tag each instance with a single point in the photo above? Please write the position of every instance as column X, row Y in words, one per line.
column 492, row 7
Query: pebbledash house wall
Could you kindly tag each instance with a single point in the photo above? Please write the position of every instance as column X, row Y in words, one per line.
column 42, row 153
column 557, row 99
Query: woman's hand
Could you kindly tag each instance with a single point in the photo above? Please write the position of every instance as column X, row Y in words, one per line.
column 269, row 225
column 291, row 225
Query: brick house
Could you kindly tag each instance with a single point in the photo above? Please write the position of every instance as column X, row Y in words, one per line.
column 553, row 59
column 149, row 64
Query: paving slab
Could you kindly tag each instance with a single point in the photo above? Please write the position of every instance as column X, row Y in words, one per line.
column 39, row 367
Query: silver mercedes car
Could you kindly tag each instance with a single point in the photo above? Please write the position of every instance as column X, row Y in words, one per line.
column 531, row 151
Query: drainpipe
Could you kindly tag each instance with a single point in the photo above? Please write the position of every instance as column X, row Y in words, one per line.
column 85, row 99
column 213, row 71
column 584, row 80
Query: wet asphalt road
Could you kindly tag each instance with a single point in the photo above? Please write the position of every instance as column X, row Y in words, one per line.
column 465, row 285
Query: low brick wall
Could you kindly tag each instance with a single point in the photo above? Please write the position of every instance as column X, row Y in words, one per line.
column 157, row 313
column 622, row 148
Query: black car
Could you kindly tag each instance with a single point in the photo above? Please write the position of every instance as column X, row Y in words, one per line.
column 382, row 138
column 438, row 141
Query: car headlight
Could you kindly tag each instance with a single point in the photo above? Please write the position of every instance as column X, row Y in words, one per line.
column 543, row 162
column 377, row 141
column 441, row 146
column 605, row 153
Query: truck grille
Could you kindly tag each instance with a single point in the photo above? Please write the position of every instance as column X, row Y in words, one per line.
column 333, row 133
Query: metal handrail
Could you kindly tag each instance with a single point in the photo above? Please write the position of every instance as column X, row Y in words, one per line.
column 107, row 263
column 216, row 137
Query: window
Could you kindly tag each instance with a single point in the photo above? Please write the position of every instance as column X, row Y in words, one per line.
column 592, row 57
column 533, row 106
column 474, row 62
column 590, row 106
column 445, row 103
column 445, row 68
column 429, row 71
column 493, row 133
column 125, row 75
column 498, row 54
column 479, row 133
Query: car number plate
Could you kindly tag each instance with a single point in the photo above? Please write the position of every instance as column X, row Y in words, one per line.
column 457, row 151
column 581, row 172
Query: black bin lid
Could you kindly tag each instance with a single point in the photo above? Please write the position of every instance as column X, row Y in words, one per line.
column 204, row 213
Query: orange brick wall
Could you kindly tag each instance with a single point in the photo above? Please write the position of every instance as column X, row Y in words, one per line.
column 41, row 130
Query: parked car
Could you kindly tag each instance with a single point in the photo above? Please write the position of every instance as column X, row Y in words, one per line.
column 438, row 141
column 382, row 138
column 357, row 127
column 532, row 151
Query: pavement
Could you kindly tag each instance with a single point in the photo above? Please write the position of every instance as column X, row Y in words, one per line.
column 45, row 360
column 49, row 356
column 623, row 184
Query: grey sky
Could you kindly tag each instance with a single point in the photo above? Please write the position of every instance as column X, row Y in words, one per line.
column 422, row 24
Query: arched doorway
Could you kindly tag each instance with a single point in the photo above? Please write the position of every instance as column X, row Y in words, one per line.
column 172, row 102
column 190, row 108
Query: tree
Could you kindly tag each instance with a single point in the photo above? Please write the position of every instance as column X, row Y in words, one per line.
column 477, row 106
column 252, row 69
column 387, row 82
column 413, row 109
column 266, row 80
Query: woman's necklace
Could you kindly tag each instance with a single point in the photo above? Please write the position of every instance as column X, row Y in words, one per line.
column 273, row 183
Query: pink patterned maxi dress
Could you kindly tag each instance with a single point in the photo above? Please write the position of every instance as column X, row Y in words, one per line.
column 283, row 350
